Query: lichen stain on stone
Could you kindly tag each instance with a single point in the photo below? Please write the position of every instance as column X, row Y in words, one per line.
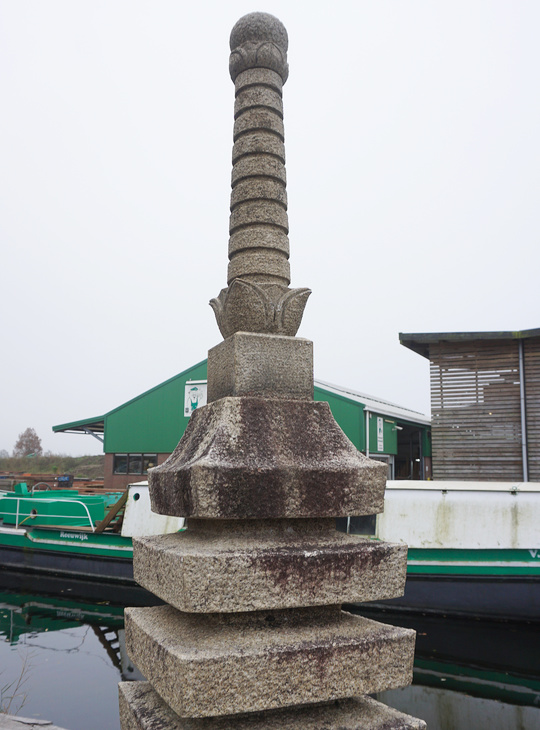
column 290, row 564
column 254, row 493
column 320, row 662
column 167, row 492
column 146, row 714
column 248, row 458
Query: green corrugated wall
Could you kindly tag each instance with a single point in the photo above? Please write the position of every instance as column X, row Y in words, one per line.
column 348, row 414
column 154, row 421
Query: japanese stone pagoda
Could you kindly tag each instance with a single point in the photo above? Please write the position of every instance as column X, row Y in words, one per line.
column 252, row 634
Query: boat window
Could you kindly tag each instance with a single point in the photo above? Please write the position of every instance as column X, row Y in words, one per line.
column 120, row 464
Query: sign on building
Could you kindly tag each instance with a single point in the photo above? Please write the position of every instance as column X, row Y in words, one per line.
column 194, row 396
column 380, row 434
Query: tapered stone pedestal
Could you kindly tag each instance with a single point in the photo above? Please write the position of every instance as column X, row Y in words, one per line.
column 226, row 465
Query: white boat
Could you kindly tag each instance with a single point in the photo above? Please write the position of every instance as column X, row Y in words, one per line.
column 474, row 547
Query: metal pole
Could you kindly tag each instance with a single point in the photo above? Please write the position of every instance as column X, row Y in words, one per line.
column 522, row 404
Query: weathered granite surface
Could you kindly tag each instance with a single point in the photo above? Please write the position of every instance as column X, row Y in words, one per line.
column 141, row 708
column 245, row 458
column 261, row 472
column 265, row 366
column 259, row 306
column 257, row 565
column 259, row 40
column 219, row 664
column 258, row 298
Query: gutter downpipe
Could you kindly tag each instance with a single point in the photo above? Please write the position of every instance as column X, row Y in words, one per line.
column 522, row 407
column 367, row 433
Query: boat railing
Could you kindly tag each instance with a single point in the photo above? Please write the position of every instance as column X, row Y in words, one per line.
column 34, row 513
column 41, row 484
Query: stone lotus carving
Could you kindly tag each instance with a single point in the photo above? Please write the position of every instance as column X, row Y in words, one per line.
column 253, row 54
column 266, row 308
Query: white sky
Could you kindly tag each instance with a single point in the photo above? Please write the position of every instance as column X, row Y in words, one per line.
column 413, row 163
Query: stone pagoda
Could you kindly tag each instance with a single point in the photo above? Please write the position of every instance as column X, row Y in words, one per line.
column 252, row 634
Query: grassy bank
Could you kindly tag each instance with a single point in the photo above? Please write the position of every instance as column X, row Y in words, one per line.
column 87, row 467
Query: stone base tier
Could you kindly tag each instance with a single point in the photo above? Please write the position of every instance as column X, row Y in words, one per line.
column 255, row 565
column 141, row 708
column 264, row 366
column 249, row 458
column 222, row 664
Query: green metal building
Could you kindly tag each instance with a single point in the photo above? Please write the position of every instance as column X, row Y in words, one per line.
column 142, row 432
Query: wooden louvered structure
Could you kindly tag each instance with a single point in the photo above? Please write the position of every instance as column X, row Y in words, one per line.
column 485, row 403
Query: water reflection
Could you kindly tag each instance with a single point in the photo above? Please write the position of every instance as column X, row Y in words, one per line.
column 470, row 674
column 67, row 638
column 62, row 652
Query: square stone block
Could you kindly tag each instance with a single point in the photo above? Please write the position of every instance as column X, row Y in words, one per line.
column 249, row 458
column 141, row 708
column 220, row 566
column 269, row 366
column 232, row 663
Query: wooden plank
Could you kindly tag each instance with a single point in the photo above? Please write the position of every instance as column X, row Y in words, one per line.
column 111, row 514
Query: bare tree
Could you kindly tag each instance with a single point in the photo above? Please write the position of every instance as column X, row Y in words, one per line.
column 28, row 443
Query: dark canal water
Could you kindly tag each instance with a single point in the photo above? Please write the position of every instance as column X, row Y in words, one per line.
column 65, row 640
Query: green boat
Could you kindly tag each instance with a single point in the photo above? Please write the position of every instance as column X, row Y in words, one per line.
column 66, row 533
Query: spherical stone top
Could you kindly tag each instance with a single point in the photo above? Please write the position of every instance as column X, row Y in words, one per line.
column 258, row 27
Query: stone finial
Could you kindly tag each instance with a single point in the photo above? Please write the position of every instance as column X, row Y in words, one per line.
column 259, row 40
column 258, row 298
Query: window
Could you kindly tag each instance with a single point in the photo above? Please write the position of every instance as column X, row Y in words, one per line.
column 120, row 464
column 149, row 461
column 133, row 463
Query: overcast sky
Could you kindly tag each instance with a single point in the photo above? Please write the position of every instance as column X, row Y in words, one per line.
column 413, row 164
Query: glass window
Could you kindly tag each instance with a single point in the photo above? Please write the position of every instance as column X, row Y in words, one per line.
column 120, row 464
column 149, row 461
column 135, row 464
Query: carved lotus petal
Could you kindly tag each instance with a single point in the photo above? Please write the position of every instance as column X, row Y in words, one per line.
column 242, row 307
column 257, row 54
column 290, row 310
column 248, row 307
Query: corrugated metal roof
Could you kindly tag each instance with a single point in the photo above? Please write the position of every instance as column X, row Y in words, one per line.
column 95, row 425
column 376, row 405
column 419, row 341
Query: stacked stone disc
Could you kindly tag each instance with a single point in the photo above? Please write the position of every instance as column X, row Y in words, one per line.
column 252, row 634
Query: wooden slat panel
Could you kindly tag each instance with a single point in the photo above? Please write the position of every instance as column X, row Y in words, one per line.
column 532, row 395
column 476, row 429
